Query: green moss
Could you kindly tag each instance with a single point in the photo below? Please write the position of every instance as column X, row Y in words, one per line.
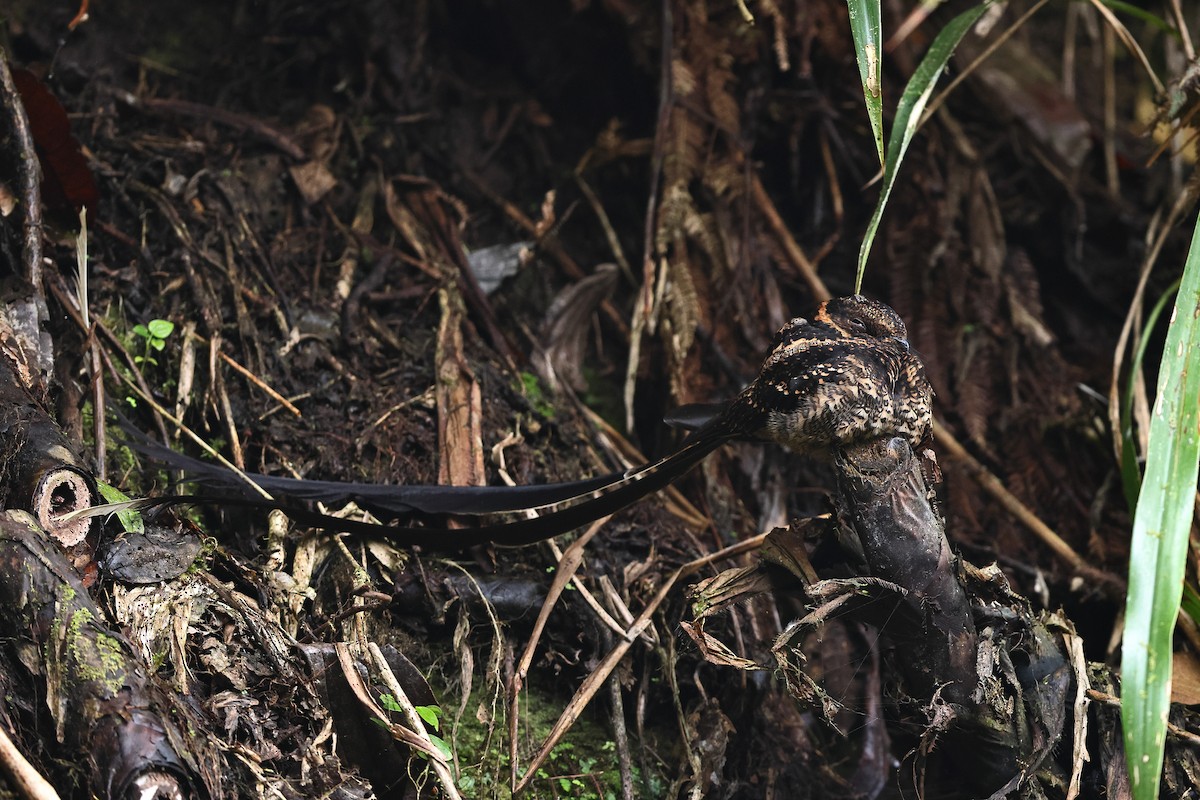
column 102, row 663
column 208, row 550
column 584, row 765
column 531, row 388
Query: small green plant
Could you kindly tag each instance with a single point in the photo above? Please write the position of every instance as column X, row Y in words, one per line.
column 430, row 715
column 154, row 337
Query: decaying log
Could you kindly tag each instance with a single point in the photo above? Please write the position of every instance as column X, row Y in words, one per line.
column 994, row 675
column 41, row 472
column 983, row 678
column 883, row 497
column 61, row 668
column 68, row 672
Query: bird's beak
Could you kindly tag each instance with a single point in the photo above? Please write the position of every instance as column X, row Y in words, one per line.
column 903, row 342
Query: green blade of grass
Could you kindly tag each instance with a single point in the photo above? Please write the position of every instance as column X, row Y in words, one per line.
column 908, row 117
column 1161, row 526
column 1143, row 15
column 867, row 30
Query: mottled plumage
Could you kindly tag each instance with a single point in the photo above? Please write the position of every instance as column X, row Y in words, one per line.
column 847, row 376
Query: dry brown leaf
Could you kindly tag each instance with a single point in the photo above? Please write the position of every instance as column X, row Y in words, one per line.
column 313, row 180
column 714, row 650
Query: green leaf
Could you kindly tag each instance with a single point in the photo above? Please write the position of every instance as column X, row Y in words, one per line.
column 1161, row 525
column 1142, row 15
column 431, row 715
column 141, row 330
column 157, row 344
column 866, row 28
column 389, row 702
column 161, row 328
column 131, row 521
column 442, row 747
column 908, row 117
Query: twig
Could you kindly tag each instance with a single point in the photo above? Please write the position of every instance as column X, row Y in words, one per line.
column 187, row 368
column 674, row 501
column 1079, row 754
column 436, row 759
column 1181, row 25
column 666, row 99
column 568, row 563
column 610, row 233
column 373, row 280
column 25, row 778
column 644, row 302
column 937, row 102
column 195, row 437
column 1130, row 43
column 409, row 737
column 801, row 262
column 1111, row 585
column 549, row 246
column 91, row 346
column 235, row 441
column 28, row 174
column 232, row 119
column 1182, row 202
column 593, row 682
column 498, row 655
column 81, row 16
column 624, row 762
column 63, row 296
column 250, row 376
column 1109, row 139
column 1115, row 702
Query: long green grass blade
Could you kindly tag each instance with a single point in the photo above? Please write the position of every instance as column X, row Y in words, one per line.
column 1160, row 536
column 1143, row 15
column 908, row 117
column 867, row 30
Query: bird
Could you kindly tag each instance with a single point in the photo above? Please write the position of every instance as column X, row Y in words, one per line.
column 846, row 376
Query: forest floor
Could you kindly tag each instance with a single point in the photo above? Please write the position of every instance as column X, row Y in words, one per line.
column 483, row 241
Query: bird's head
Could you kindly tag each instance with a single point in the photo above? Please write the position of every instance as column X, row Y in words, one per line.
column 857, row 316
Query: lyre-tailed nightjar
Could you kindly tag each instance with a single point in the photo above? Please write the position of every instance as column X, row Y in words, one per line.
column 846, row 376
